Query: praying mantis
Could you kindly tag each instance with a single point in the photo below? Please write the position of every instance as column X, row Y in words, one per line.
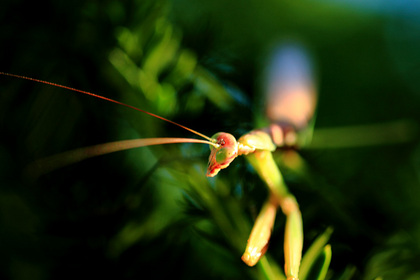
column 291, row 102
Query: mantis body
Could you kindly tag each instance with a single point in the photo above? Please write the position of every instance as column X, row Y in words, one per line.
column 291, row 103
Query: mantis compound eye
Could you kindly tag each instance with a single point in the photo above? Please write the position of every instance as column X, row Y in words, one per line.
column 222, row 156
column 224, row 140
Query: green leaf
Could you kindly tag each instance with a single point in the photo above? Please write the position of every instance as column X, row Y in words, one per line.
column 319, row 267
column 315, row 253
column 348, row 273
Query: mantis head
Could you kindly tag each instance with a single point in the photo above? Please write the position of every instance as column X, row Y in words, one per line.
column 224, row 154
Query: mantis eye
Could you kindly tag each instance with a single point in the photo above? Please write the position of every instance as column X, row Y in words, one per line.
column 224, row 140
column 227, row 149
column 218, row 137
column 225, row 153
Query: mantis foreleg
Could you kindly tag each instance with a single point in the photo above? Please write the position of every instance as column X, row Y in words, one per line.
column 264, row 164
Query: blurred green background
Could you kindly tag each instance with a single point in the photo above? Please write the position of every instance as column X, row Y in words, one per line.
column 152, row 211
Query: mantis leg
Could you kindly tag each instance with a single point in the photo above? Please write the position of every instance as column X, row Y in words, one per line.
column 264, row 164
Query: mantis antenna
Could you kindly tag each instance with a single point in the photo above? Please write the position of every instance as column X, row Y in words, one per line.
column 110, row 100
column 46, row 165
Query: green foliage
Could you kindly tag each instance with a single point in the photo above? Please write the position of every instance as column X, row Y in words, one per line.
column 152, row 210
column 318, row 249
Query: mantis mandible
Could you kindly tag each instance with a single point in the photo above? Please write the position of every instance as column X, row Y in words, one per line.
column 291, row 102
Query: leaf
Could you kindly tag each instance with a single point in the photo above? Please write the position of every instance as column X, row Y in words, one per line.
column 317, row 252
column 319, row 267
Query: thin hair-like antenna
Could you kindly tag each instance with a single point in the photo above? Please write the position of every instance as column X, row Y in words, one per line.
column 107, row 99
column 51, row 163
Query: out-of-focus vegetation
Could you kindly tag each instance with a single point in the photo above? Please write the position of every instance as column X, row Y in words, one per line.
column 152, row 211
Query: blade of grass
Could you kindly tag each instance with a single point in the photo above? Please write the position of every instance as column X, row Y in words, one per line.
column 313, row 253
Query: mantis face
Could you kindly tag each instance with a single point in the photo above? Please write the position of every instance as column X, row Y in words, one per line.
column 223, row 155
